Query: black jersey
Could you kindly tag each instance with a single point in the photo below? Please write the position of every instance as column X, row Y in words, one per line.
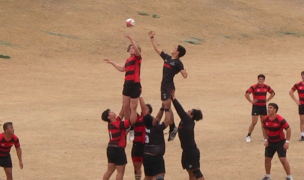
column 185, row 128
column 154, row 140
column 171, row 67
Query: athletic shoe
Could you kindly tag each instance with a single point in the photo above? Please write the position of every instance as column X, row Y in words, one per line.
column 289, row 178
column 131, row 135
column 266, row 178
column 302, row 138
column 172, row 134
column 248, row 139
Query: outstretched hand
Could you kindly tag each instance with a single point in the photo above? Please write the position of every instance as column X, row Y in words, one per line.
column 108, row 61
column 151, row 34
column 128, row 36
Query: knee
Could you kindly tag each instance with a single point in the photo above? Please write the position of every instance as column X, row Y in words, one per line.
column 197, row 173
column 159, row 177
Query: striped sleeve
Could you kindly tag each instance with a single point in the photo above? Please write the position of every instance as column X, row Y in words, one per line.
column 284, row 124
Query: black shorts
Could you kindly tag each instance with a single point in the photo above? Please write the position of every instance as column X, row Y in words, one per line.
column 259, row 110
column 191, row 159
column 165, row 91
column 153, row 165
column 301, row 109
column 6, row 161
column 116, row 155
column 132, row 89
column 137, row 152
column 274, row 147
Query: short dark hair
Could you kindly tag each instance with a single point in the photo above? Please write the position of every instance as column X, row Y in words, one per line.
column 132, row 45
column 261, row 75
column 181, row 50
column 302, row 72
column 274, row 105
column 197, row 114
column 5, row 125
column 150, row 108
column 105, row 114
column 148, row 121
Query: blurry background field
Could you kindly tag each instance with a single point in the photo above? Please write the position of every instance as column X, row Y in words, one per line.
column 55, row 85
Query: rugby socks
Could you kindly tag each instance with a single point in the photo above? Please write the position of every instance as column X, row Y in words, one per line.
column 249, row 134
column 267, row 175
column 137, row 176
column 302, row 134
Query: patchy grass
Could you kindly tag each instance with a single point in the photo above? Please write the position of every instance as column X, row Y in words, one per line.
column 5, row 43
column 193, row 40
column 4, row 56
column 293, row 34
column 143, row 13
column 61, row 35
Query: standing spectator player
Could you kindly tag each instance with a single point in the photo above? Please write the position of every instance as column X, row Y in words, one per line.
column 275, row 141
column 7, row 140
column 300, row 88
column 116, row 154
column 154, row 150
column 191, row 154
column 139, row 139
column 172, row 66
column 259, row 92
column 132, row 86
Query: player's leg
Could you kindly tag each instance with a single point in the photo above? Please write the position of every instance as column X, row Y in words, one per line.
column 120, row 163
column 109, row 171
column 173, row 129
column 120, row 172
column 302, row 126
column 282, row 156
column 269, row 152
column 135, row 93
column 137, row 159
column 6, row 163
column 137, row 169
column 195, row 174
column 254, row 121
column 126, row 106
column 160, row 176
column 9, row 173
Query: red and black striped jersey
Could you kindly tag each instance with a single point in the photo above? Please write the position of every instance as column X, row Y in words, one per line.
column 300, row 88
column 274, row 127
column 132, row 67
column 259, row 92
column 117, row 132
column 139, row 130
column 6, row 144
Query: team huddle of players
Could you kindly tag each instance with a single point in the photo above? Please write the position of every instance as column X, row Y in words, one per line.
column 148, row 143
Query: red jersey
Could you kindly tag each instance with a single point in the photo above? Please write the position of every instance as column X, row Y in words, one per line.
column 139, row 130
column 259, row 92
column 117, row 132
column 132, row 67
column 300, row 88
column 274, row 128
column 6, row 144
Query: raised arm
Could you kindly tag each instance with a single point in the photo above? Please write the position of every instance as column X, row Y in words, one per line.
column 291, row 93
column 135, row 46
column 118, row 67
column 154, row 43
column 178, row 107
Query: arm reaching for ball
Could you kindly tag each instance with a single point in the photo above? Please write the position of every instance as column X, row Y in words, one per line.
column 154, row 43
